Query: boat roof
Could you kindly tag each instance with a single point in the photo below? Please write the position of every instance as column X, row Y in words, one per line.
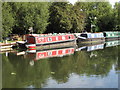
column 47, row 35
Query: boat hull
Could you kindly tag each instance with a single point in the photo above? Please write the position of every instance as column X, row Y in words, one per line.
column 51, row 46
column 89, row 40
column 112, row 38
column 91, row 37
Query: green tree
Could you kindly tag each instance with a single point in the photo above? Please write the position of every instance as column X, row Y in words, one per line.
column 117, row 15
column 8, row 20
column 106, row 22
column 59, row 17
column 30, row 14
column 64, row 17
column 98, row 15
column 78, row 19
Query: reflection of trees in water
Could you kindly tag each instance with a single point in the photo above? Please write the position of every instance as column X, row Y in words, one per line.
column 102, row 63
column 61, row 67
column 17, row 71
column 117, row 67
column 81, row 63
column 6, row 74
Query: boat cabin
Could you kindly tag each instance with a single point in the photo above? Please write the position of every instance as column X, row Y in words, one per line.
column 92, row 35
column 48, row 39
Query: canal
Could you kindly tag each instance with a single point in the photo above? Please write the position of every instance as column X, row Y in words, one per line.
column 84, row 68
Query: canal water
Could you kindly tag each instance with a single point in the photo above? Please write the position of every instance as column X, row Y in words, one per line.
column 86, row 67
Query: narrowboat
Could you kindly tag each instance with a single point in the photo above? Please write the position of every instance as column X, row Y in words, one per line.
column 91, row 37
column 34, row 41
column 111, row 35
column 51, row 53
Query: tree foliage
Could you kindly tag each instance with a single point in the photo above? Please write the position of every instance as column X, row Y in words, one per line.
column 65, row 17
column 7, row 19
column 45, row 17
column 31, row 15
column 117, row 15
column 98, row 14
column 25, row 15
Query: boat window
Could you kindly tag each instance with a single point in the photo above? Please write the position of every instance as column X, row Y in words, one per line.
column 83, row 35
column 63, row 37
column 49, row 39
column 41, row 55
column 40, row 39
column 56, row 38
column 69, row 37
column 69, row 51
column 63, row 52
column 49, row 53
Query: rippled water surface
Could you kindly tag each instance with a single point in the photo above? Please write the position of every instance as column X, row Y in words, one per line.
column 81, row 69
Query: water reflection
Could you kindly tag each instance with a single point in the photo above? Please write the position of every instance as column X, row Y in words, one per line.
column 91, row 47
column 51, row 53
column 95, row 63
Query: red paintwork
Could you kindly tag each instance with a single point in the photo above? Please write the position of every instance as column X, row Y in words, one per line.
column 31, row 46
column 41, row 39
column 54, row 53
column 30, row 40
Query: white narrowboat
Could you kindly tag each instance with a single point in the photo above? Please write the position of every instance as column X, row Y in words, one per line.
column 94, row 37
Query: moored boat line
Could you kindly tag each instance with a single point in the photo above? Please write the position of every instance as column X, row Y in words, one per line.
column 98, row 37
column 38, row 54
column 47, row 41
column 60, row 52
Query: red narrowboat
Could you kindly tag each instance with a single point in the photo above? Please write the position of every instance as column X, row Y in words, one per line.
column 46, row 39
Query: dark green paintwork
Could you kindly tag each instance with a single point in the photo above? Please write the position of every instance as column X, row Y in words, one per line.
column 112, row 34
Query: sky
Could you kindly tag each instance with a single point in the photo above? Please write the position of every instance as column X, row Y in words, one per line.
column 111, row 1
